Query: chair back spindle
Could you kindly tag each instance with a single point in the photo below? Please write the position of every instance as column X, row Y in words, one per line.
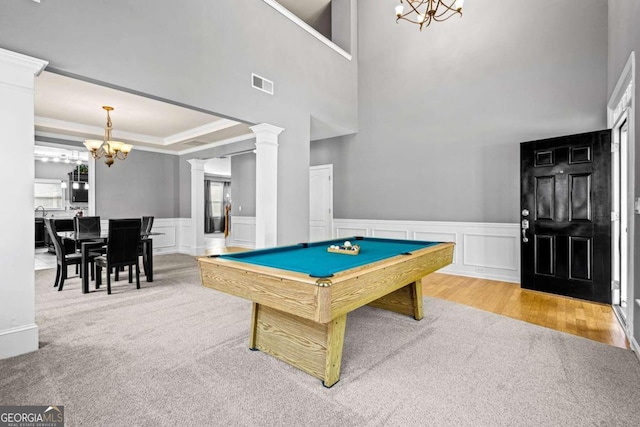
column 87, row 224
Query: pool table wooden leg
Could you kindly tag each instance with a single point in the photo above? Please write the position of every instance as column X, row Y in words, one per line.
column 335, row 341
column 315, row 348
column 406, row 300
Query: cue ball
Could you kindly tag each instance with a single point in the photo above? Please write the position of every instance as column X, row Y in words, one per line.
column 347, row 244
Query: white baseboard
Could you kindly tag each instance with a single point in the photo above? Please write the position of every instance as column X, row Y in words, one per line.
column 483, row 250
column 17, row 341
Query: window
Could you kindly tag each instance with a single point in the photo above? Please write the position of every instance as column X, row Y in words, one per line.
column 49, row 194
column 216, row 199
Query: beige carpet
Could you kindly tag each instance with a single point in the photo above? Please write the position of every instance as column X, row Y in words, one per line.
column 175, row 353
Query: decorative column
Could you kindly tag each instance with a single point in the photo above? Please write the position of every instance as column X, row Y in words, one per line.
column 18, row 330
column 266, row 184
column 197, row 206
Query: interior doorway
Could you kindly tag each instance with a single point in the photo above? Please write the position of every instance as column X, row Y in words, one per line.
column 620, row 118
column 320, row 203
column 620, row 218
column 217, row 203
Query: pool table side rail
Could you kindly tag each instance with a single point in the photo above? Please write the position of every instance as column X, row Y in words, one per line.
column 345, row 291
column 356, row 290
column 288, row 294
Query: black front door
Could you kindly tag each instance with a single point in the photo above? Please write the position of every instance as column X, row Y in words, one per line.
column 566, row 215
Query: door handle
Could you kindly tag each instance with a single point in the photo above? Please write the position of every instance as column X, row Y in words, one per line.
column 525, row 227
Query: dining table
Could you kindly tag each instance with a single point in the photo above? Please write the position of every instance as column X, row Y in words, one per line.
column 90, row 241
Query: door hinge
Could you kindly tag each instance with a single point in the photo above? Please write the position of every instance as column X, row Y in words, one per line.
column 615, row 147
column 615, row 285
column 615, row 216
column 329, row 178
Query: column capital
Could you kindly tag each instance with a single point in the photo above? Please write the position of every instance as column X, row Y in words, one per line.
column 34, row 65
column 197, row 164
column 266, row 128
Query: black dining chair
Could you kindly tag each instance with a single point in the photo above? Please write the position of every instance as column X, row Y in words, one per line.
column 147, row 225
column 65, row 253
column 122, row 250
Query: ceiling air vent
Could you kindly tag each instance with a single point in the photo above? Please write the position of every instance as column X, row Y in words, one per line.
column 262, row 84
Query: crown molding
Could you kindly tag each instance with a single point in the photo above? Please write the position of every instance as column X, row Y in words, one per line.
column 141, row 147
column 228, row 141
column 190, row 134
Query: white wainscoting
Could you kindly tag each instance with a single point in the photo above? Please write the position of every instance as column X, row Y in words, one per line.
column 170, row 241
column 484, row 250
column 242, row 232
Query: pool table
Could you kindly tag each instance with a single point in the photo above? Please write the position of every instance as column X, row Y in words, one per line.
column 302, row 294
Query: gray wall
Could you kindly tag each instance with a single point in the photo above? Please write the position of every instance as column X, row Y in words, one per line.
column 200, row 53
column 144, row 184
column 243, row 175
column 624, row 37
column 442, row 111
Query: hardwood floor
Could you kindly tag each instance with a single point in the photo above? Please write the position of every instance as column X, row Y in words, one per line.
column 582, row 318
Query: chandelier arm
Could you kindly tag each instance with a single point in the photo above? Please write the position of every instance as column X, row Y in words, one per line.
column 447, row 9
column 414, row 10
column 438, row 19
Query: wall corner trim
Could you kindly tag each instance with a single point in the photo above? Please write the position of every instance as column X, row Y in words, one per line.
column 284, row 11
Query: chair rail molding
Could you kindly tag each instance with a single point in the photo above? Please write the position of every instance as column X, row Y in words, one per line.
column 483, row 250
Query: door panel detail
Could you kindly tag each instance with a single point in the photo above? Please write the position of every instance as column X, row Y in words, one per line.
column 545, row 201
column 545, row 254
column 580, row 197
column 544, row 158
column 579, row 155
column 580, row 258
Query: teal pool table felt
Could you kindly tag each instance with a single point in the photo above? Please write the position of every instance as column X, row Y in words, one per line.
column 314, row 259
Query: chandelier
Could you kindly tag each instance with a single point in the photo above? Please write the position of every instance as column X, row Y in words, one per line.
column 107, row 148
column 423, row 12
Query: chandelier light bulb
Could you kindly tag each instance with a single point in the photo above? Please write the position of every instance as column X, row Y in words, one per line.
column 399, row 10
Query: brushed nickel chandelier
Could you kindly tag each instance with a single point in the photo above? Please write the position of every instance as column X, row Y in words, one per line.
column 423, row 12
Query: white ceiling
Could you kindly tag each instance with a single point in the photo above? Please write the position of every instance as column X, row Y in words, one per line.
column 72, row 109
